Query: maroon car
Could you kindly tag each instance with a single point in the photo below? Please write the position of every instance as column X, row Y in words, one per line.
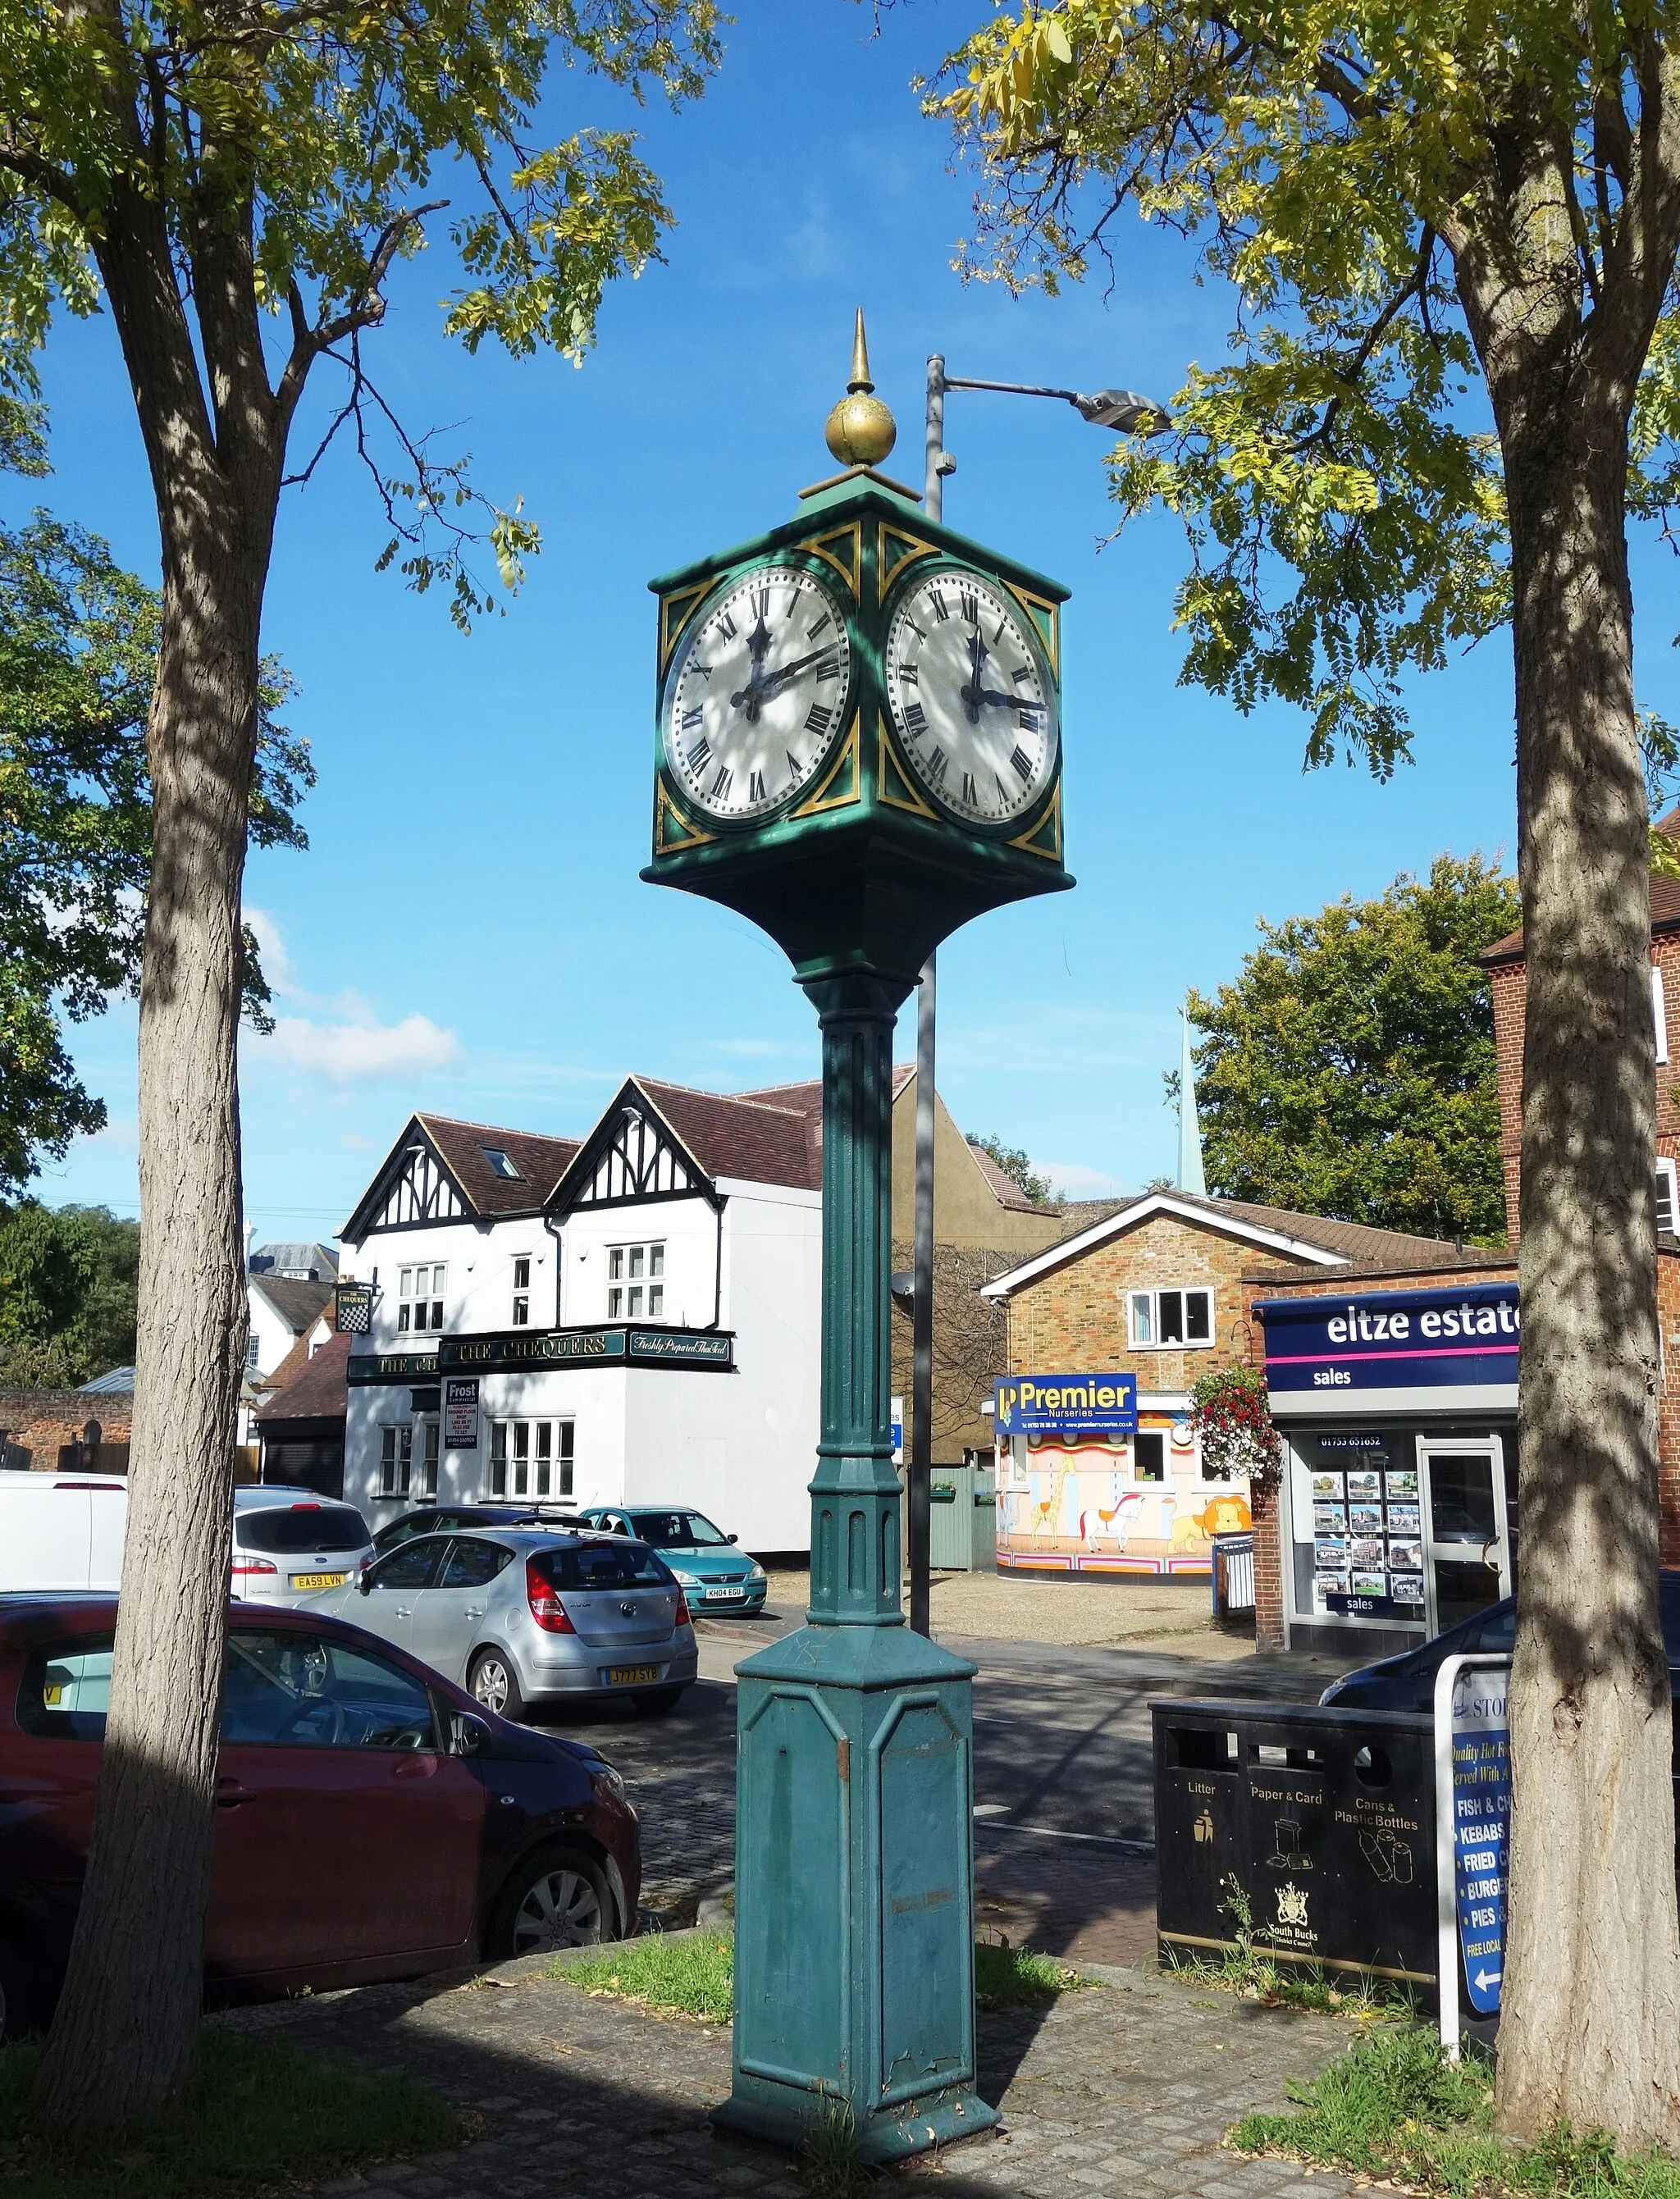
column 371, row 1820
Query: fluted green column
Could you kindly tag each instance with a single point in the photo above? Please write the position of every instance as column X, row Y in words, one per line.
column 854, row 1498
column 853, row 1881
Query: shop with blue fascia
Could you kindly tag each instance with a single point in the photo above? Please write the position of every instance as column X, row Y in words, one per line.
column 1396, row 1404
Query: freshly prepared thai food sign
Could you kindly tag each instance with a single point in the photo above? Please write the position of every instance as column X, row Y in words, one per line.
column 1065, row 1404
column 1390, row 1344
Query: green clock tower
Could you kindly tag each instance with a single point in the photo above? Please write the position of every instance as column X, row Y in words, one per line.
column 859, row 747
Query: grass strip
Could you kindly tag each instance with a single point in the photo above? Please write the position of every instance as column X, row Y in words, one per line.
column 258, row 2115
column 1393, row 2107
column 695, row 1975
column 1003, row 1975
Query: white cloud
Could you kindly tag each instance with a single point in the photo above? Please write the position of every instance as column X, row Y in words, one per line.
column 357, row 1053
column 277, row 962
column 1073, row 1180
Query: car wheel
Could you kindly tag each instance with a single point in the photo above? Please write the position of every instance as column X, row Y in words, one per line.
column 492, row 1681
column 15, row 2012
column 658, row 1702
column 558, row 1899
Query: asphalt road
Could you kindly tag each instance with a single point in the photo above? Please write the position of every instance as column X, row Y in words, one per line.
column 1062, row 1756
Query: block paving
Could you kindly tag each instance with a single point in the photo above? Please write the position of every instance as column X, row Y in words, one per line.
column 1127, row 2088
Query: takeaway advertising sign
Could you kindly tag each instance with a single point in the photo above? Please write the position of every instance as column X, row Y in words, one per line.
column 1065, row 1404
column 1473, row 1846
column 1318, row 1349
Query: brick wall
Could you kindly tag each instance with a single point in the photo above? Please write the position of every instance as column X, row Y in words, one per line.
column 44, row 1425
column 1073, row 1319
column 1267, row 1569
column 1510, row 994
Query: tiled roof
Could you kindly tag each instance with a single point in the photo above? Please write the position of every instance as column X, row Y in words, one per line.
column 1393, row 1251
column 1665, row 905
column 1451, row 1261
column 306, row 1389
column 760, row 1138
column 1007, row 1192
column 541, row 1163
column 298, row 1305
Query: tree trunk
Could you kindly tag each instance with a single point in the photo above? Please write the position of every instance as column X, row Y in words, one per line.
column 122, row 2042
column 1590, row 2022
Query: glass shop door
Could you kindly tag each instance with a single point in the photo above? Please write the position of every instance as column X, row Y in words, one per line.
column 1466, row 1551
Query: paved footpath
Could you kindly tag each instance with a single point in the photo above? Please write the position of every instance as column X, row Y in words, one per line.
column 1126, row 2089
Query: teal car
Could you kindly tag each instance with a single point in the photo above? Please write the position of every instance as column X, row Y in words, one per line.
column 714, row 1573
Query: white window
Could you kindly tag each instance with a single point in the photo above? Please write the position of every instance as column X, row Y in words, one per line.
column 521, row 1291
column 420, row 1297
column 1668, row 1199
column 634, row 1292
column 396, row 1459
column 253, row 1351
column 531, row 1458
column 429, row 1459
column 1170, row 1320
column 1660, row 1012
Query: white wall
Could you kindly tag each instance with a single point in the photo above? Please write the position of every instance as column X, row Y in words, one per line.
column 274, row 1338
column 741, row 1446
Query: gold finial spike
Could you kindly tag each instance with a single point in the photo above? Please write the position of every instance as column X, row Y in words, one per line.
column 860, row 431
column 859, row 380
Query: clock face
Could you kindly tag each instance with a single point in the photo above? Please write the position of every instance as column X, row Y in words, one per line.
column 759, row 695
column 972, row 698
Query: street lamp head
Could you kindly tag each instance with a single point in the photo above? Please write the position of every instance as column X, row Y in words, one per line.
column 1125, row 410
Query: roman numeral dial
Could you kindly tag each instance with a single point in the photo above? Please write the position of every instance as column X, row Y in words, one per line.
column 759, row 693
column 973, row 700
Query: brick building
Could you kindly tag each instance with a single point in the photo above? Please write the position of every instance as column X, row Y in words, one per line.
column 1158, row 1288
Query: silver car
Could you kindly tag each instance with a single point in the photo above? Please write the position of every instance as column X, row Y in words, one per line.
column 529, row 1617
column 289, row 1544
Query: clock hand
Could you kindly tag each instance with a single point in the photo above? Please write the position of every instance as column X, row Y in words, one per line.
column 974, row 694
column 758, row 641
column 758, row 691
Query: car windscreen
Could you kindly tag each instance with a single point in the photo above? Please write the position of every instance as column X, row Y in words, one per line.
column 65, row 1690
column 678, row 1531
column 603, row 1565
column 300, row 1530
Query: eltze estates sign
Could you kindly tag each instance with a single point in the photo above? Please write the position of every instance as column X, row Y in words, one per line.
column 1393, row 1350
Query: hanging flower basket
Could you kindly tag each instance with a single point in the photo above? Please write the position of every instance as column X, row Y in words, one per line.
column 1232, row 1416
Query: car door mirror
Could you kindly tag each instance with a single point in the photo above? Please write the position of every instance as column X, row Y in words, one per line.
column 731, row 1538
column 467, row 1733
column 364, row 1583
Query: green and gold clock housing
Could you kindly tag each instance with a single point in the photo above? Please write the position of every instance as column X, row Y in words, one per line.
column 858, row 740
column 859, row 747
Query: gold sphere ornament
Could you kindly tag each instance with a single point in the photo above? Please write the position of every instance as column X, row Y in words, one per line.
column 860, row 431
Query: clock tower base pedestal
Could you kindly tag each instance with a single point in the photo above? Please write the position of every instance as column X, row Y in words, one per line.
column 854, row 1879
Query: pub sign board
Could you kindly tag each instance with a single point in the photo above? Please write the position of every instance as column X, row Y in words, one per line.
column 1382, row 1349
column 536, row 1351
column 1321, row 1821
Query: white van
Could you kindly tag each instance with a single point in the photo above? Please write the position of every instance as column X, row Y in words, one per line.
column 63, row 1533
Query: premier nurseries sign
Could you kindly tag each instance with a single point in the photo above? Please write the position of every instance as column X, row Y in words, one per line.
column 1394, row 1348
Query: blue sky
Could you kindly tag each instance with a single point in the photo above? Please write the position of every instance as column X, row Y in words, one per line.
column 468, row 933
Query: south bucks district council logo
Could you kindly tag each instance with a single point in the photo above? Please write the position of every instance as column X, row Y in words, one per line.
column 1291, row 1907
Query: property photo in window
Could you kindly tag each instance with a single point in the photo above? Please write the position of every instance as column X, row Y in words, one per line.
column 1175, row 1321
column 521, row 1291
column 420, row 1297
column 634, row 1292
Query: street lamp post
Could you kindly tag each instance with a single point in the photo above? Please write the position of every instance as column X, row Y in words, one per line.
column 1125, row 413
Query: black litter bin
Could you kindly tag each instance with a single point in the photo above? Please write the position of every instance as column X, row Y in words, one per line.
column 1322, row 1820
